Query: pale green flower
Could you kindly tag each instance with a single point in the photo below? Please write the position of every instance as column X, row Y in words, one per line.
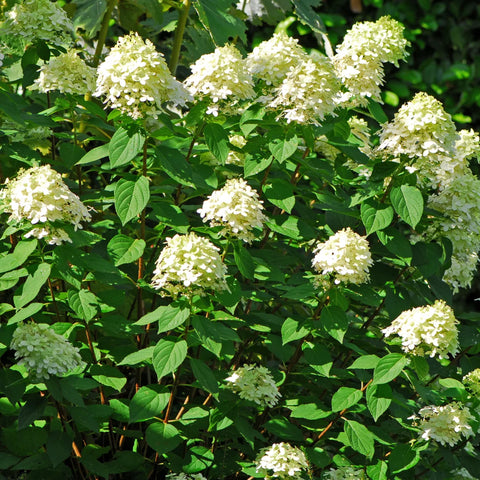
column 346, row 472
column 468, row 145
column 429, row 330
column 472, row 382
column 234, row 157
column 282, row 461
column 462, row 270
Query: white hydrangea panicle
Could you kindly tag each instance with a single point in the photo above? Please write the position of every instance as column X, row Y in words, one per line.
column 345, row 255
column 236, row 207
column 429, row 330
column 308, row 92
column 472, row 382
column 446, row 424
column 346, row 472
column 39, row 196
column 462, row 270
column 184, row 476
column 282, row 461
column 272, row 59
column 255, row 384
column 38, row 20
column 67, row 73
column 468, row 144
column 43, row 352
column 359, row 128
column 135, row 78
column 234, row 157
column 189, row 264
column 222, row 77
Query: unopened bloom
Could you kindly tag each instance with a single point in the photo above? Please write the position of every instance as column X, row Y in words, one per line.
column 39, row 195
column 184, row 476
column 272, row 59
column 67, row 73
column 135, row 78
column 221, row 76
column 445, row 424
column 44, row 352
column 344, row 473
column 345, row 255
column 38, row 20
column 237, row 207
column 189, row 263
column 472, row 382
column 283, row 461
column 255, row 384
column 307, row 94
column 430, row 330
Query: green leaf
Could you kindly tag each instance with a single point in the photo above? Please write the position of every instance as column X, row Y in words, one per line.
column 376, row 110
column 59, row 447
column 318, row 357
column 148, row 402
column 216, row 139
column 10, row 279
column 244, row 261
column 403, row 457
column 335, row 322
column 389, row 367
column 124, row 249
column 408, row 203
column 124, row 146
column 282, row 149
column 168, row 355
column 22, row 251
column 94, row 155
column 365, row 363
column 32, row 410
column 24, row 313
column 108, row 376
column 162, row 437
column 308, row 16
column 396, row 243
column 375, row 216
column 84, row 303
column 254, row 165
column 280, row 193
column 378, row 471
column 360, row 438
column 32, row 285
column 173, row 163
column 131, row 198
column 379, row 398
column 88, row 15
column 293, row 330
column 144, row 355
column 204, row 375
column 345, row 397
column 168, row 317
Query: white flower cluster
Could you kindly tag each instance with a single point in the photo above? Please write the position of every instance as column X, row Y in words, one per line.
column 346, row 472
column 445, row 424
column 236, row 207
column 184, row 476
column 36, row 138
column 67, row 73
column 273, row 59
column 219, row 76
column 38, row 20
column 360, row 57
column 430, row 330
column 255, row 384
column 39, row 196
column 284, row 461
column 472, row 382
column 234, row 157
column 44, row 352
column 189, row 263
column 346, row 255
column 134, row 78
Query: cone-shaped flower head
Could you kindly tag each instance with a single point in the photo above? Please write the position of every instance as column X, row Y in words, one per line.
column 255, row 384
column 237, row 207
column 189, row 264
column 134, row 78
column 44, row 352
column 430, row 330
column 282, row 461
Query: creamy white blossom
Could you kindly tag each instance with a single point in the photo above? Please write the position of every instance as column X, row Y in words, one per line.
column 346, row 472
column 38, row 20
column 446, row 424
column 468, row 144
column 462, row 270
column 189, row 263
column 472, row 382
column 135, row 78
column 43, row 352
column 346, row 255
column 236, row 207
column 39, row 196
column 234, row 157
column 67, row 73
column 255, row 384
column 429, row 330
column 282, row 461
column 272, row 59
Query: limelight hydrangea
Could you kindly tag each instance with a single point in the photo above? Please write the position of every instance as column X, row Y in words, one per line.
column 446, row 424
column 284, row 461
column 472, row 382
column 468, row 144
column 430, row 330
column 134, row 78
column 255, row 384
column 184, row 476
column 345, row 255
column 345, row 473
column 274, row 58
column 39, row 195
column 38, row 20
column 43, row 352
column 307, row 94
column 221, row 76
column 462, row 270
column 234, row 157
column 67, row 73
column 189, row 263
column 237, row 207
